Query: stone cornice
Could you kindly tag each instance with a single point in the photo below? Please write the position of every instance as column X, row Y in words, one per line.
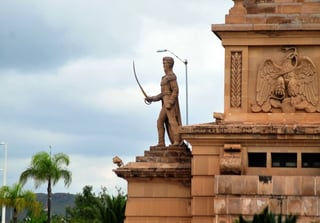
column 252, row 128
column 264, row 27
column 176, row 171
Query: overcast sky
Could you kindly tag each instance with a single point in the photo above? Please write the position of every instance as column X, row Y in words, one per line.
column 66, row 79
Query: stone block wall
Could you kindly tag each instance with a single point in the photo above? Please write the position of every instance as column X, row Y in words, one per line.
column 245, row 195
column 158, row 200
column 274, row 12
column 205, row 165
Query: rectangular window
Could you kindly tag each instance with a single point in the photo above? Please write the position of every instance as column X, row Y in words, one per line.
column 257, row 159
column 310, row 160
column 284, row 160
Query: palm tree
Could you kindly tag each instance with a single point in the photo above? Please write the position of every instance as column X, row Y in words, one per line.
column 19, row 200
column 45, row 168
column 112, row 208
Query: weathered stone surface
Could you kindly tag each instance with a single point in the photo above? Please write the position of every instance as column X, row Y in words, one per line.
column 280, row 200
column 231, row 159
column 230, row 165
column 301, row 11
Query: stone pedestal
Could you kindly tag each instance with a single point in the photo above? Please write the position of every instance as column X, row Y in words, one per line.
column 159, row 186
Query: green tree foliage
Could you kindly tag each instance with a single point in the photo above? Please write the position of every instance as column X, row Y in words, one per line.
column 45, row 168
column 42, row 218
column 267, row 216
column 101, row 208
column 18, row 199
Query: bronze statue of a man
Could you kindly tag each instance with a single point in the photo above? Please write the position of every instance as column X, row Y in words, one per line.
column 169, row 117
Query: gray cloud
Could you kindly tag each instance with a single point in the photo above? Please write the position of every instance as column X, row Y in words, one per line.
column 66, row 76
column 27, row 42
column 51, row 33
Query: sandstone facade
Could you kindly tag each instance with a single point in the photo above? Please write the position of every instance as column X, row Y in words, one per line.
column 264, row 149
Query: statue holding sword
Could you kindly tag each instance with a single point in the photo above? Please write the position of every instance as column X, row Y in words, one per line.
column 169, row 117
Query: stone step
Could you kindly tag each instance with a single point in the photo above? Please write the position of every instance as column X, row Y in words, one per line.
column 285, row 8
column 171, row 154
column 163, row 159
column 161, row 148
column 165, row 153
column 168, row 153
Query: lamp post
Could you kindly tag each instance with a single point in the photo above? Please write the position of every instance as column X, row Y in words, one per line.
column 5, row 146
column 185, row 62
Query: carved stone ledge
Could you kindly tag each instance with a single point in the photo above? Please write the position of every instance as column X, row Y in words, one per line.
column 252, row 128
column 174, row 171
column 173, row 162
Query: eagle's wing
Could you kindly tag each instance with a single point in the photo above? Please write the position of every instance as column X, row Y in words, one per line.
column 267, row 76
column 307, row 80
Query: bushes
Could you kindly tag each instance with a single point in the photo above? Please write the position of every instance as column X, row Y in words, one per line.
column 267, row 216
column 101, row 208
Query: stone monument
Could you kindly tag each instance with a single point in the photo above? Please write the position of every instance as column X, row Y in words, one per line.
column 169, row 117
column 264, row 149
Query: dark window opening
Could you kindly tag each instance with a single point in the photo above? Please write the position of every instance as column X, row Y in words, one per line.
column 257, row 159
column 310, row 160
column 284, row 160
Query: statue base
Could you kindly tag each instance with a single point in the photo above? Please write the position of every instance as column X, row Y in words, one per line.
column 158, row 185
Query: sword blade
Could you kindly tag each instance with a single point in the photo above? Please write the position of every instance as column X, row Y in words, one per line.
column 135, row 75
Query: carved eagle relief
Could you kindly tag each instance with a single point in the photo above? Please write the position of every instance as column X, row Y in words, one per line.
column 290, row 86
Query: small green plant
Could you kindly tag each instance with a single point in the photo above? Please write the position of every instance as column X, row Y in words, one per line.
column 267, row 216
